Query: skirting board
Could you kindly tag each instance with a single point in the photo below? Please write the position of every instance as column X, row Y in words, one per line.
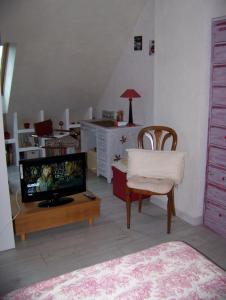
column 191, row 220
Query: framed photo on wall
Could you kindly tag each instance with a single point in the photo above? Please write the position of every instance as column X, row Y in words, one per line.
column 138, row 43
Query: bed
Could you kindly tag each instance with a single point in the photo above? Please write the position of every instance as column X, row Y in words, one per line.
column 172, row 270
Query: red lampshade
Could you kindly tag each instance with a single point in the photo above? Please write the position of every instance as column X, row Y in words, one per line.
column 130, row 93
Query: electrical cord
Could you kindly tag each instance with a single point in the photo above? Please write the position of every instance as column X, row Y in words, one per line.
column 18, row 206
column 15, row 216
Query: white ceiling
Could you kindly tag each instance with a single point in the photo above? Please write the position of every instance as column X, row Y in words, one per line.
column 66, row 50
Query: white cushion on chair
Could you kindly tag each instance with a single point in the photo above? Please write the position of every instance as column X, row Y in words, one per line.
column 156, row 164
column 157, row 185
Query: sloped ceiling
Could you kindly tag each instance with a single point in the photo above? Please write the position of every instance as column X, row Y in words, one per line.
column 66, row 50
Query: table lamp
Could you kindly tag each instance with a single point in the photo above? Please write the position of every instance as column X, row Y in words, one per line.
column 130, row 94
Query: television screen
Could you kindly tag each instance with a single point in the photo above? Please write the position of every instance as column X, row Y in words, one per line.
column 51, row 178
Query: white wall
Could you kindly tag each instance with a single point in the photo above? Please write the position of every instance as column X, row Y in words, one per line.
column 135, row 69
column 182, row 65
column 6, row 228
column 8, row 77
column 66, row 51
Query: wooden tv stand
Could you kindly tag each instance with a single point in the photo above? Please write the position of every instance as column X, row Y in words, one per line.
column 33, row 218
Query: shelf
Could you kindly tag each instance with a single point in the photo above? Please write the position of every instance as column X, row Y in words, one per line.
column 26, row 130
column 77, row 125
column 25, row 149
column 10, row 141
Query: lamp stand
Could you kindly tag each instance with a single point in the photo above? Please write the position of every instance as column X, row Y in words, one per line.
column 130, row 123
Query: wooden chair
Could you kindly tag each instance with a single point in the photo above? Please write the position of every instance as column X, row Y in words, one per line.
column 154, row 173
column 151, row 137
column 154, row 138
column 157, row 137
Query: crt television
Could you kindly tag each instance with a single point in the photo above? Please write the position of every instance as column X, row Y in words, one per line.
column 50, row 179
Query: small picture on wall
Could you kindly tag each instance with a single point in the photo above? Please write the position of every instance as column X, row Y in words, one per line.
column 138, row 43
column 151, row 47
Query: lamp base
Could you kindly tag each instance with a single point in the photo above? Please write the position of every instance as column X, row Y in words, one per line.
column 130, row 125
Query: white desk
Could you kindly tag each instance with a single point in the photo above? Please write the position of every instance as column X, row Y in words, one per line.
column 110, row 142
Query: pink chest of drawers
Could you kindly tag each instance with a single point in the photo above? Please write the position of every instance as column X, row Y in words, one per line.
column 215, row 191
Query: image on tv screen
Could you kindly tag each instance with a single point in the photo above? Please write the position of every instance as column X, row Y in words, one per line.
column 53, row 176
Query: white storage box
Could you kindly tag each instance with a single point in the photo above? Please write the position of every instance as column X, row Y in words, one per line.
column 31, row 154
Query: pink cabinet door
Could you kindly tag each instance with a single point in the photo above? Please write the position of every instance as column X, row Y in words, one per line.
column 215, row 218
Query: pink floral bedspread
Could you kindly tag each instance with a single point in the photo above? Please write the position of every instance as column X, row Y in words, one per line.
column 172, row 270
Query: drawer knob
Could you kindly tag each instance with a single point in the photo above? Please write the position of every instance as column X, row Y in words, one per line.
column 220, row 215
column 223, row 178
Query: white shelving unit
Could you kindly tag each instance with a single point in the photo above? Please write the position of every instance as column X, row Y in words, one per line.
column 17, row 132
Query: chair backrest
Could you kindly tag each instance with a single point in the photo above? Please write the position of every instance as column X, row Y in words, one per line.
column 156, row 138
column 44, row 128
column 156, row 164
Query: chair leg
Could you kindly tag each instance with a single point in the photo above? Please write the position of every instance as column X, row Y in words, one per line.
column 173, row 204
column 128, row 207
column 140, row 203
column 169, row 210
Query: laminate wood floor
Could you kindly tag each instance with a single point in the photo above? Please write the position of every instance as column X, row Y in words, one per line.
column 56, row 251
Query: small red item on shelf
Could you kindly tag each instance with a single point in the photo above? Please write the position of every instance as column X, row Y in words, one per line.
column 6, row 135
column 26, row 125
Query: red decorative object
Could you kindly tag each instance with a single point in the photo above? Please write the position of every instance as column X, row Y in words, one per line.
column 130, row 93
column 6, row 135
column 61, row 124
column 26, row 125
